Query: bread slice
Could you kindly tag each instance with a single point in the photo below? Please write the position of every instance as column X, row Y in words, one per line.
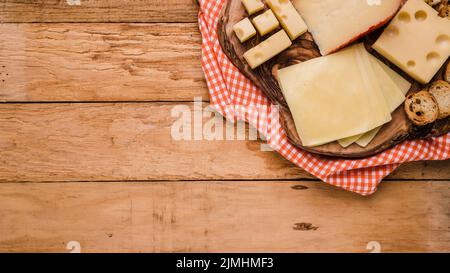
column 441, row 92
column 421, row 108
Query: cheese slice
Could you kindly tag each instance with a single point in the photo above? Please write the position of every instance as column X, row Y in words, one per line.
column 401, row 82
column 392, row 93
column 365, row 139
column 345, row 142
column 417, row 40
column 267, row 49
column 289, row 17
column 253, row 6
column 331, row 98
column 336, row 23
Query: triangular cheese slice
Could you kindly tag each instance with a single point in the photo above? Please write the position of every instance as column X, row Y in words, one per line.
column 336, row 23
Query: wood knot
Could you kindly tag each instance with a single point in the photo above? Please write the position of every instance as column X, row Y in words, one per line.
column 304, row 226
column 299, row 187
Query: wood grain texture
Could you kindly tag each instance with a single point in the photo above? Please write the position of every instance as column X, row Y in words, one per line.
column 223, row 216
column 132, row 141
column 100, row 62
column 20, row 11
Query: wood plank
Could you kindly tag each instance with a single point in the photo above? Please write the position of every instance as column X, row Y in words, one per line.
column 132, row 141
column 100, row 62
column 20, row 11
column 222, row 217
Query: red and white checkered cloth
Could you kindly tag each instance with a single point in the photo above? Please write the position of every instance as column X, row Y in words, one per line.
column 232, row 95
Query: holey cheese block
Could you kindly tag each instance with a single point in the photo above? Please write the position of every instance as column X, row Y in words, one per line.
column 304, row 48
column 417, row 40
column 336, row 23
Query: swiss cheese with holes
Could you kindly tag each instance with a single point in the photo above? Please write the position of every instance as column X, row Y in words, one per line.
column 417, row 40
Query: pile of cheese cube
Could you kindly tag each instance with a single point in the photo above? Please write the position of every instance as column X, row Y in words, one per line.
column 280, row 11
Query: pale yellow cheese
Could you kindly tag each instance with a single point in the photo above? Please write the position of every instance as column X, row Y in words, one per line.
column 244, row 30
column 336, row 23
column 364, row 140
column 267, row 49
column 345, row 142
column 417, row 40
column 253, row 6
column 401, row 82
column 266, row 22
column 330, row 98
column 289, row 17
column 392, row 93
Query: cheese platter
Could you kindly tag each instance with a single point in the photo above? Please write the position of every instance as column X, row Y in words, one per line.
column 341, row 71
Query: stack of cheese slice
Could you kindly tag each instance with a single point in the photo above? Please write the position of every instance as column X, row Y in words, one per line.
column 345, row 97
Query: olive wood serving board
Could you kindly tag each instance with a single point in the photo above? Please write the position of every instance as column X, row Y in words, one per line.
column 303, row 49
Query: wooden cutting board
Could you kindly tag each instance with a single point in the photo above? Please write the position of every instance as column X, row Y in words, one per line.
column 303, row 49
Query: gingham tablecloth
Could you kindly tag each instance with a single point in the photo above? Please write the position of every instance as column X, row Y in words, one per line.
column 236, row 98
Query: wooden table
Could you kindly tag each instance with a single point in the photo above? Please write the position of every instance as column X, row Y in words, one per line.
column 87, row 158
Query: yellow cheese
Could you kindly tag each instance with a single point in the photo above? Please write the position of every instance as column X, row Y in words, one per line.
column 289, row 18
column 345, row 142
column 253, row 6
column 403, row 84
column 266, row 22
column 330, row 98
column 392, row 93
column 244, row 30
column 267, row 49
column 364, row 140
column 417, row 40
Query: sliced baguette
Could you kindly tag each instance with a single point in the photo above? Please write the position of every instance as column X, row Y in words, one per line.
column 441, row 92
column 421, row 108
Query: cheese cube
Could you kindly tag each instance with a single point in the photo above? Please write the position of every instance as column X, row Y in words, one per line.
column 244, row 30
column 417, row 41
column 253, row 6
column 267, row 49
column 266, row 22
column 289, row 18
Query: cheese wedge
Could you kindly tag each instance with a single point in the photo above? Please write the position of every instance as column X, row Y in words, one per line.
column 417, row 40
column 333, row 98
column 336, row 23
